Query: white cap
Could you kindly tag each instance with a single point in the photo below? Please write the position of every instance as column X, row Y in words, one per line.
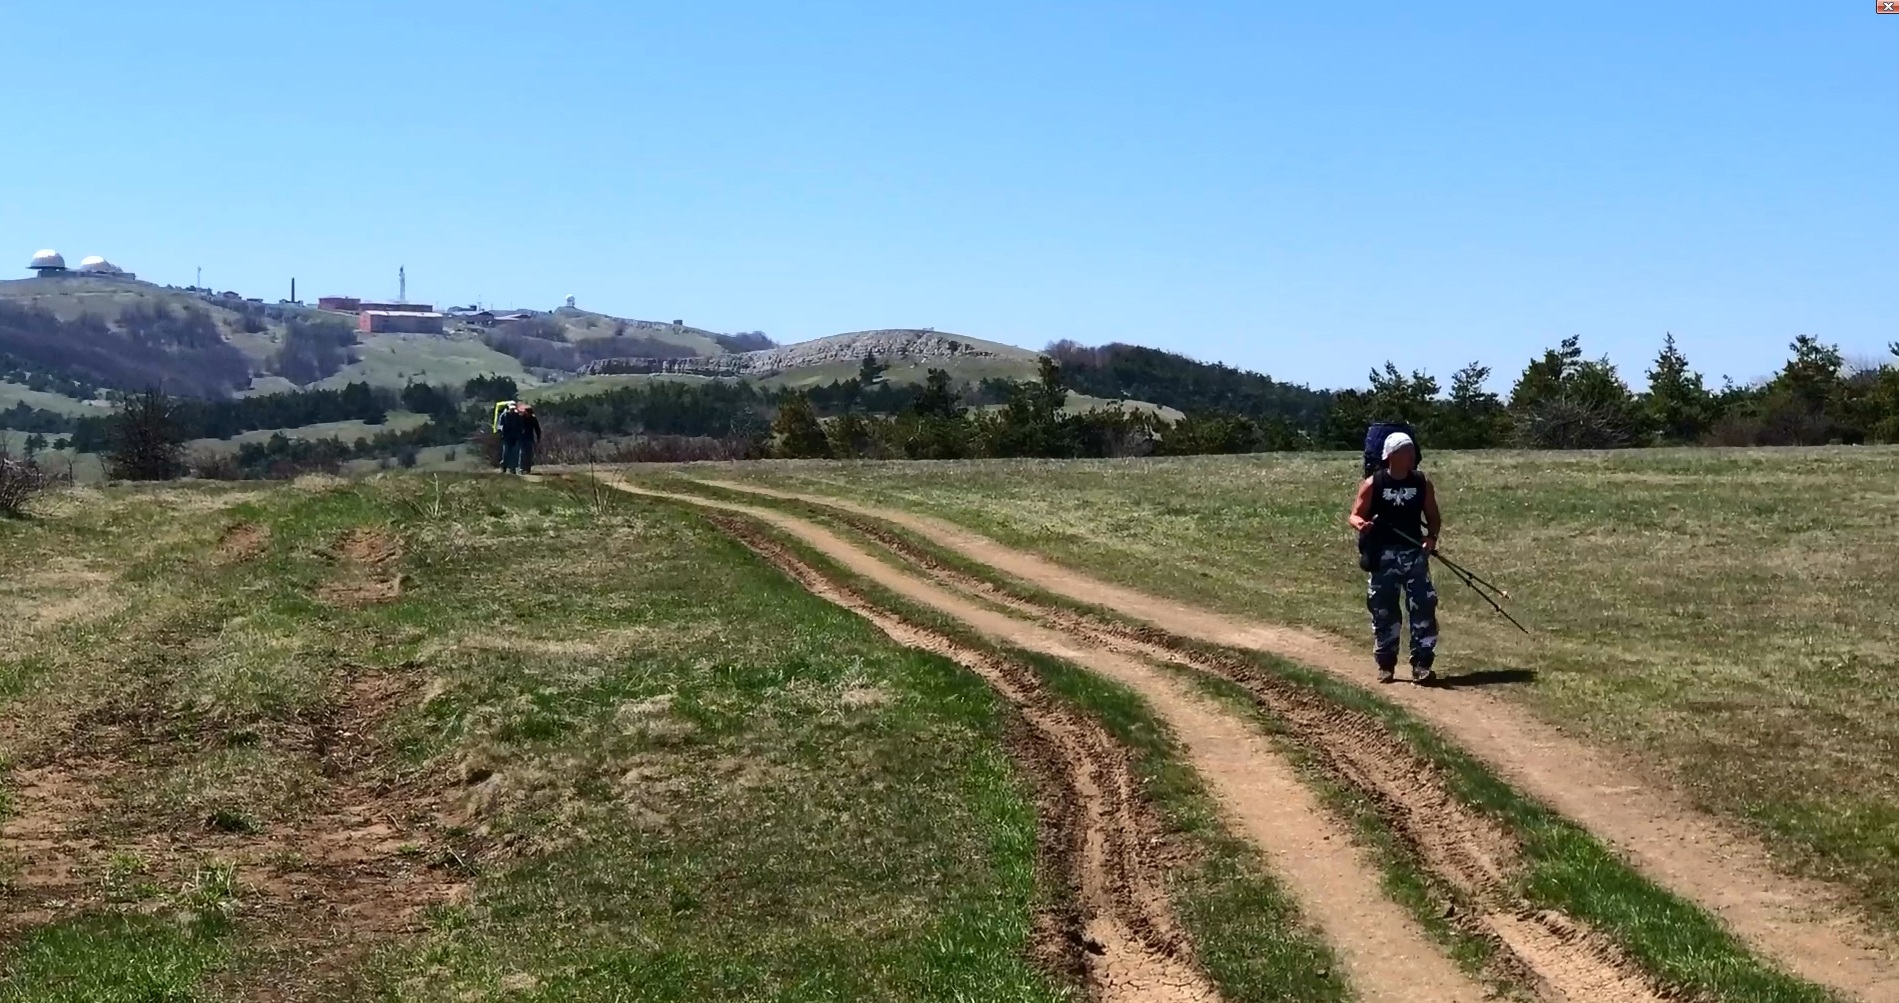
column 1396, row 441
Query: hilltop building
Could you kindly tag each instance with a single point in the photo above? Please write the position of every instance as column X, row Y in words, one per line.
column 96, row 265
column 353, row 304
column 399, row 321
column 49, row 264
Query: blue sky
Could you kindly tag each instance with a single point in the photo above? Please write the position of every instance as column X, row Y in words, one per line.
column 1306, row 189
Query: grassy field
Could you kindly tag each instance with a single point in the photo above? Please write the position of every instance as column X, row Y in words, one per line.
column 1721, row 613
column 583, row 325
column 582, row 386
column 409, row 738
column 347, row 431
column 393, row 360
column 14, row 393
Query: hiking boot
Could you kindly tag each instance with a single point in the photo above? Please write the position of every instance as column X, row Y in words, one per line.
column 1422, row 675
column 1385, row 673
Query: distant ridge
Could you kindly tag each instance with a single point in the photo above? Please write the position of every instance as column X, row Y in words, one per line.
column 888, row 344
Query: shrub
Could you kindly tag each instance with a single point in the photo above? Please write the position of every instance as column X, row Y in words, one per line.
column 20, row 481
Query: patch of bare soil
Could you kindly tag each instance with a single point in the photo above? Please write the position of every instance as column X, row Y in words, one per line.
column 367, row 572
column 357, row 867
column 242, row 542
column 1801, row 925
column 1114, row 926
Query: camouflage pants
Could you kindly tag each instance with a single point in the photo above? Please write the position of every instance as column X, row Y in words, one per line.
column 1408, row 570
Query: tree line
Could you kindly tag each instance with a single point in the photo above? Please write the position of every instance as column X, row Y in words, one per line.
column 1563, row 400
column 1560, row 400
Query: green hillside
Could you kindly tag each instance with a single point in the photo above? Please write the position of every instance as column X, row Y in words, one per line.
column 392, row 360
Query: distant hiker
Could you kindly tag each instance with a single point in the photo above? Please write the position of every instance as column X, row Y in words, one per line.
column 519, row 431
column 532, row 440
column 1397, row 519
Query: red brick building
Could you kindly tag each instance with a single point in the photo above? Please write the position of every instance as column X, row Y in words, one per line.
column 399, row 322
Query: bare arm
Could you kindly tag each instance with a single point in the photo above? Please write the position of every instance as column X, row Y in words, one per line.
column 1361, row 507
column 1433, row 521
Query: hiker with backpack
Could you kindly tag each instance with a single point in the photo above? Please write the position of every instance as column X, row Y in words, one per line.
column 520, row 432
column 1396, row 516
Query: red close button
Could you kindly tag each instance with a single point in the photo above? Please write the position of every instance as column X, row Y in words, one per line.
column 1888, row 6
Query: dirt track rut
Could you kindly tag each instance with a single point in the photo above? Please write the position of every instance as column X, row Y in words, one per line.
column 1800, row 925
column 1125, row 939
column 1386, row 954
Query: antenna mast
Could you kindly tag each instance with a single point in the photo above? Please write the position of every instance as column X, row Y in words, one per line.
column 402, row 285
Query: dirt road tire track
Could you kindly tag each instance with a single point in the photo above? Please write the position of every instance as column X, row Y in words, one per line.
column 1465, row 849
column 1801, row 925
column 1116, row 928
column 1387, row 956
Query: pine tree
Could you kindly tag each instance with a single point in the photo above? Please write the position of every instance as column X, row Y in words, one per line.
column 1678, row 403
column 1474, row 417
column 1543, row 379
column 799, row 433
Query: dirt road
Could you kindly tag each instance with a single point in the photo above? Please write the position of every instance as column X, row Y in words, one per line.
column 1800, row 925
column 1386, row 953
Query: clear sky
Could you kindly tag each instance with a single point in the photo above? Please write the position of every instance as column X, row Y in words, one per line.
column 1301, row 188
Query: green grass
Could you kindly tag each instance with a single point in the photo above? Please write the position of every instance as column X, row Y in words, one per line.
column 16, row 393
column 582, row 386
column 668, row 775
column 1565, row 868
column 392, row 360
column 111, row 959
column 1722, row 613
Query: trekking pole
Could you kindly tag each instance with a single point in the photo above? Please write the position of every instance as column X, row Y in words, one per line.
column 1459, row 569
column 1466, row 572
column 1465, row 577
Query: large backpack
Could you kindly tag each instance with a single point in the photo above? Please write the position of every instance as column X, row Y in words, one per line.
column 1375, row 443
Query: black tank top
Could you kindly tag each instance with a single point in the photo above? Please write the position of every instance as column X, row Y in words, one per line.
column 1397, row 504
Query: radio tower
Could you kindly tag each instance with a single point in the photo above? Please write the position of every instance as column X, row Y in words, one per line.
column 402, row 285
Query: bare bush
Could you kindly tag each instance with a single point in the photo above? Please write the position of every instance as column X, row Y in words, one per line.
column 1561, row 423
column 675, row 449
column 562, row 444
column 20, row 482
column 147, row 440
column 214, row 465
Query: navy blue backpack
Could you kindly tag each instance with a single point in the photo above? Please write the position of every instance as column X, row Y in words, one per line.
column 1375, row 443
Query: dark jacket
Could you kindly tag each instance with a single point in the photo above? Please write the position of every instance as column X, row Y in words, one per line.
column 518, row 427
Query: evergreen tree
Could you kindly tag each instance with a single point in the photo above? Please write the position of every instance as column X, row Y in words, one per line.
column 870, row 370
column 850, row 435
column 1563, row 402
column 1474, row 417
column 1812, row 376
column 491, row 388
column 1543, row 379
column 1678, row 404
column 937, row 425
column 798, row 432
column 939, row 398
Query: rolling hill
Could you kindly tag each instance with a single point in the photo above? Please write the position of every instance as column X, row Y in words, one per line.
column 69, row 344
